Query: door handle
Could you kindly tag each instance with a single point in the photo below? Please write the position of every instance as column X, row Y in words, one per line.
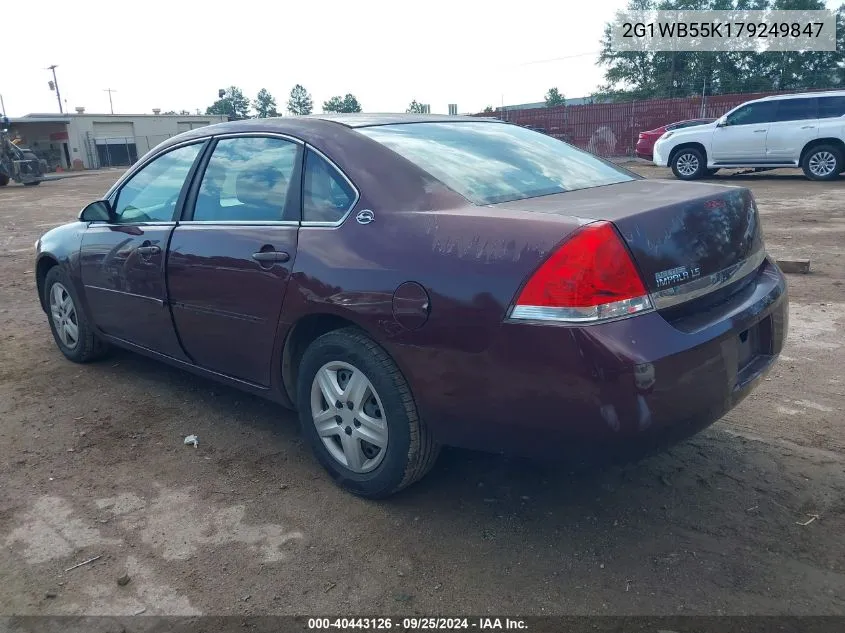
column 270, row 256
column 756, row 131
column 807, row 127
column 149, row 250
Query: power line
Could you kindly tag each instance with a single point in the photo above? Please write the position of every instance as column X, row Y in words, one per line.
column 557, row 59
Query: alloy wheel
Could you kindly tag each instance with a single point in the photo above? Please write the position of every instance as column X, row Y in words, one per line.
column 822, row 164
column 63, row 312
column 687, row 164
column 349, row 417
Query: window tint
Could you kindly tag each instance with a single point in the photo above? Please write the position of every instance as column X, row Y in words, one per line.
column 761, row 112
column 831, row 107
column 496, row 162
column 326, row 195
column 247, row 180
column 796, row 109
column 152, row 193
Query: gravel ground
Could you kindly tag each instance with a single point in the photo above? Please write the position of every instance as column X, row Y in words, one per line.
column 92, row 465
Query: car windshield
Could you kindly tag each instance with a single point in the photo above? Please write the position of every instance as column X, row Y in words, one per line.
column 489, row 162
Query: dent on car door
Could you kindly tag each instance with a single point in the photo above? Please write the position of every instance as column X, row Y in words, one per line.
column 230, row 258
column 122, row 262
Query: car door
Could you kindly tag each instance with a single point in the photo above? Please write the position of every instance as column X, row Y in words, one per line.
column 230, row 257
column 795, row 123
column 122, row 262
column 742, row 137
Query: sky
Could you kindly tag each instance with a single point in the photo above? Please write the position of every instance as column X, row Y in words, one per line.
column 175, row 54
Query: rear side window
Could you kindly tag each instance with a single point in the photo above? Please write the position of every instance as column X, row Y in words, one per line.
column 326, row 195
column 830, row 107
column 796, row 109
column 247, row 180
column 489, row 163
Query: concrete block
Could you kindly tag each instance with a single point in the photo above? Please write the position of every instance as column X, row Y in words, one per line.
column 794, row 265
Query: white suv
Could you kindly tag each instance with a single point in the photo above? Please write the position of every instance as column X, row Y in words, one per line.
column 797, row 130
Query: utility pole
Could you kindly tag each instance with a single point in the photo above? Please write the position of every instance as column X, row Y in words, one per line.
column 55, row 85
column 111, row 105
column 2, row 106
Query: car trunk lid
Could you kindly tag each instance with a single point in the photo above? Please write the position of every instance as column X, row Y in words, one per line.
column 687, row 239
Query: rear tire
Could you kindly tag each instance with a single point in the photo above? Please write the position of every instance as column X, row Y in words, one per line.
column 688, row 164
column 71, row 329
column 330, row 364
column 4, row 180
column 823, row 162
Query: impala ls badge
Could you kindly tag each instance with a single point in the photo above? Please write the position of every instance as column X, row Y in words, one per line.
column 365, row 217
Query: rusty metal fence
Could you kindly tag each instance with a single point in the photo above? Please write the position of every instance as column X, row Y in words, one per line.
column 611, row 129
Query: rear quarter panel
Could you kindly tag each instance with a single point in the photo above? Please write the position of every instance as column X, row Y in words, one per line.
column 470, row 260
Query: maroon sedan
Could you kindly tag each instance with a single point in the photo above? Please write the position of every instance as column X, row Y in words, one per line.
column 645, row 142
column 411, row 281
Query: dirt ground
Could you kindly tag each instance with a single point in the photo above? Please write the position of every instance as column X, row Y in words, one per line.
column 92, row 464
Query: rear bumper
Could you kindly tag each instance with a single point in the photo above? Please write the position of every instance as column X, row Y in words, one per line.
column 644, row 149
column 540, row 388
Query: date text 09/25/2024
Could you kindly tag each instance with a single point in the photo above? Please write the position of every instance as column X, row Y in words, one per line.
column 416, row 623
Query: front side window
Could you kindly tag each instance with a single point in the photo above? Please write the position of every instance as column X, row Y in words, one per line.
column 326, row 194
column 488, row 163
column 796, row 110
column 152, row 193
column 831, row 107
column 247, row 180
column 762, row 112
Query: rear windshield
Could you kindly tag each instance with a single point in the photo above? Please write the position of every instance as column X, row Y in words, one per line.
column 489, row 163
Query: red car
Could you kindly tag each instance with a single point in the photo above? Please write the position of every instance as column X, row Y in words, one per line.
column 646, row 140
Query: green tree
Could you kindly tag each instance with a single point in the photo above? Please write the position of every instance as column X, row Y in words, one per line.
column 264, row 105
column 416, row 108
column 488, row 110
column 233, row 104
column 342, row 104
column 300, row 101
column 662, row 74
column 554, row 98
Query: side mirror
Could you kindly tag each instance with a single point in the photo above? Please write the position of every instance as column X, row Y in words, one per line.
column 723, row 122
column 99, row 211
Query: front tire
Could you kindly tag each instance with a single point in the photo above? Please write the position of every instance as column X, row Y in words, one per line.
column 71, row 330
column 688, row 164
column 359, row 416
column 823, row 162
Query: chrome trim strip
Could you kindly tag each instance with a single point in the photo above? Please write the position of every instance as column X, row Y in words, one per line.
column 593, row 314
column 94, row 224
column 699, row 287
column 127, row 294
column 306, row 223
column 241, row 222
column 281, row 135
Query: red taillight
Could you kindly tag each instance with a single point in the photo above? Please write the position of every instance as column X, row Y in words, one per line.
column 589, row 278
